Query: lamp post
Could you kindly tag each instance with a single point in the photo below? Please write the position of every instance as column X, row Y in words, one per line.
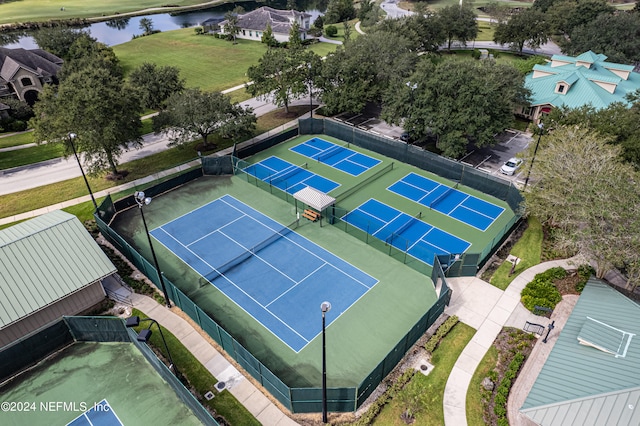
column 526, row 181
column 310, row 91
column 145, row 334
column 551, row 327
column 143, row 201
column 324, row 307
column 413, row 87
column 72, row 136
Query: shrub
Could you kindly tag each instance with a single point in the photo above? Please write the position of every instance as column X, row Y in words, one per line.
column 17, row 126
column 331, row 31
column 376, row 407
column 440, row 333
column 502, row 393
column 541, row 290
column 199, row 30
column 475, row 54
column 584, row 272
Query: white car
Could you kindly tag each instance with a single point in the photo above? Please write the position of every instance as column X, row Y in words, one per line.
column 510, row 167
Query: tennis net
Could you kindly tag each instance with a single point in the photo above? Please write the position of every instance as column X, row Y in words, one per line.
column 286, row 173
column 442, row 196
column 329, row 152
column 226, row 267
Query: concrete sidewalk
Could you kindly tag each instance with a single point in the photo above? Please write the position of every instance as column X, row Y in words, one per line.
column 245, row 392
column 487, row 309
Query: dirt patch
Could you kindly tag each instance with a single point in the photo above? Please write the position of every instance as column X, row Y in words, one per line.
column 567, row 285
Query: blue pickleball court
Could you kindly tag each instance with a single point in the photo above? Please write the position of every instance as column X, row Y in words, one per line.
column 407, row 233
column 274, row 274
column 447, row 200
column 336, row 156
column 101, row 414
column 289, row 177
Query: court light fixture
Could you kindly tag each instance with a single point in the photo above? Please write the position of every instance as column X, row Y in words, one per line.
column 526, row 181
column 72, row 137
column 142, row 200
column 145, row 334
column 324, row 307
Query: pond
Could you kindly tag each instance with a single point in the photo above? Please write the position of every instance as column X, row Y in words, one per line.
column 122, row 30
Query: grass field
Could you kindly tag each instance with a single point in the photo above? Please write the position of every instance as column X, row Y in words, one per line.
column 8, row 140
column 475, row 408
column 431, row 387
column 45, row 10
column 206, row 62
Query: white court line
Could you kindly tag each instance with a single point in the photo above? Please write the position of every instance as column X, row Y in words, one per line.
column 482, row 214
column 387, row 223
column 212, row 232
column 296, row 284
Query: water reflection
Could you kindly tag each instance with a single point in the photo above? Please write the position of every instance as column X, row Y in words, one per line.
column 122, row 30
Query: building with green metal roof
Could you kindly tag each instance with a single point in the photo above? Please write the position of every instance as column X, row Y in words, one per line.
column 592, row 375
column 587, row 79
column 50, row 266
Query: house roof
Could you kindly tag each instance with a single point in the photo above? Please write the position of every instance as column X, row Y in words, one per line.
column 258, row 19
column 592, row 375
column 37, row 61
column 583, row 82
column 44, row 260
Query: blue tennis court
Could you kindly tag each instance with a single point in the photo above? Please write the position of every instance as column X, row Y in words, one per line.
column 273, row 273
column 336, row 156
column 101, row 414
column 405, row 232
column 289, row 177
column 447, row 200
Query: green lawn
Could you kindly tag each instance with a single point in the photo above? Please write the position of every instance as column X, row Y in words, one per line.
column 44, row 10
column 475, row 407
column 431, row 386
column 35, row 154
column 199, row 377
column 528, row 249
column 204, row 61
column 16, row 139
column 439, row 4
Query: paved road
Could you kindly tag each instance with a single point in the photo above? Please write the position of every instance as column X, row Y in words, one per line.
column 57, row 170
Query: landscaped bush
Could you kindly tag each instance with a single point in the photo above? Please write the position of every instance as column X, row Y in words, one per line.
column 541, row 291
column 502, row 393
column 331, row 31
column 441, row 332
column 584, row 272
column 368, row 417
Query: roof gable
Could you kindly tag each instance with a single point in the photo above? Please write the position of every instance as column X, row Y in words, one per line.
column 37, row 61
column 44, row 260
column 574, row 373
column 280, row 20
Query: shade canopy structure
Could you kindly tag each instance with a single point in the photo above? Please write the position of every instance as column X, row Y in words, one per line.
column 314, row 198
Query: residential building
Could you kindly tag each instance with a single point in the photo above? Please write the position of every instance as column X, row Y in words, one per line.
column 23, row 73
column 587, row 79
column 253, row 24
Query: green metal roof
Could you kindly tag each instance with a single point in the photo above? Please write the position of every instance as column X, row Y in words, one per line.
column 581, row 384
column 583, row 90
column 590, row 57
column 44, row 260
column 604, row 337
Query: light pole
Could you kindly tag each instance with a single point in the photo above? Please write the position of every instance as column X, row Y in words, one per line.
column 72, row 136
column 551, row 327
column 413, row 87
column 145, row 334
column 143, row 201
column 324, row 307
column 526, row 181
column 310, row 91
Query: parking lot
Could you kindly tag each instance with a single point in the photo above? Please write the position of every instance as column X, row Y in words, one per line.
column 489, row 160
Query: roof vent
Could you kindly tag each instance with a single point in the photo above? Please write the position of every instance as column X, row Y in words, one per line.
column 604, row 337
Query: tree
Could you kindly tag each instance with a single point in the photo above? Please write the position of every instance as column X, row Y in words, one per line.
column 528, row 26
column 156, row 84
column 499, row 12
column 146, row 25
column 423, row 30
column 295, row 42
column 459, row 23
column 118, row 23
column 86, row 52
column 279, row 76
column 459, row 102
column 582, row 190
column 194, row 112
column 364, row 70
column 566, row 15
column 58, row 40
column 232, row 27
column 268, row 38
column 18, row 110
column 616, row 36
column 338, row 11
column 346, row 30
column 319, row 22
column 96, row 105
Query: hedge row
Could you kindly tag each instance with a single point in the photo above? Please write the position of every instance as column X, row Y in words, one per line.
column 502, row 393
column 442, row 331
column 383, row 399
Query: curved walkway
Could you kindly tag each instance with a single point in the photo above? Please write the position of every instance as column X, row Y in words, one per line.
column 487, row 309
